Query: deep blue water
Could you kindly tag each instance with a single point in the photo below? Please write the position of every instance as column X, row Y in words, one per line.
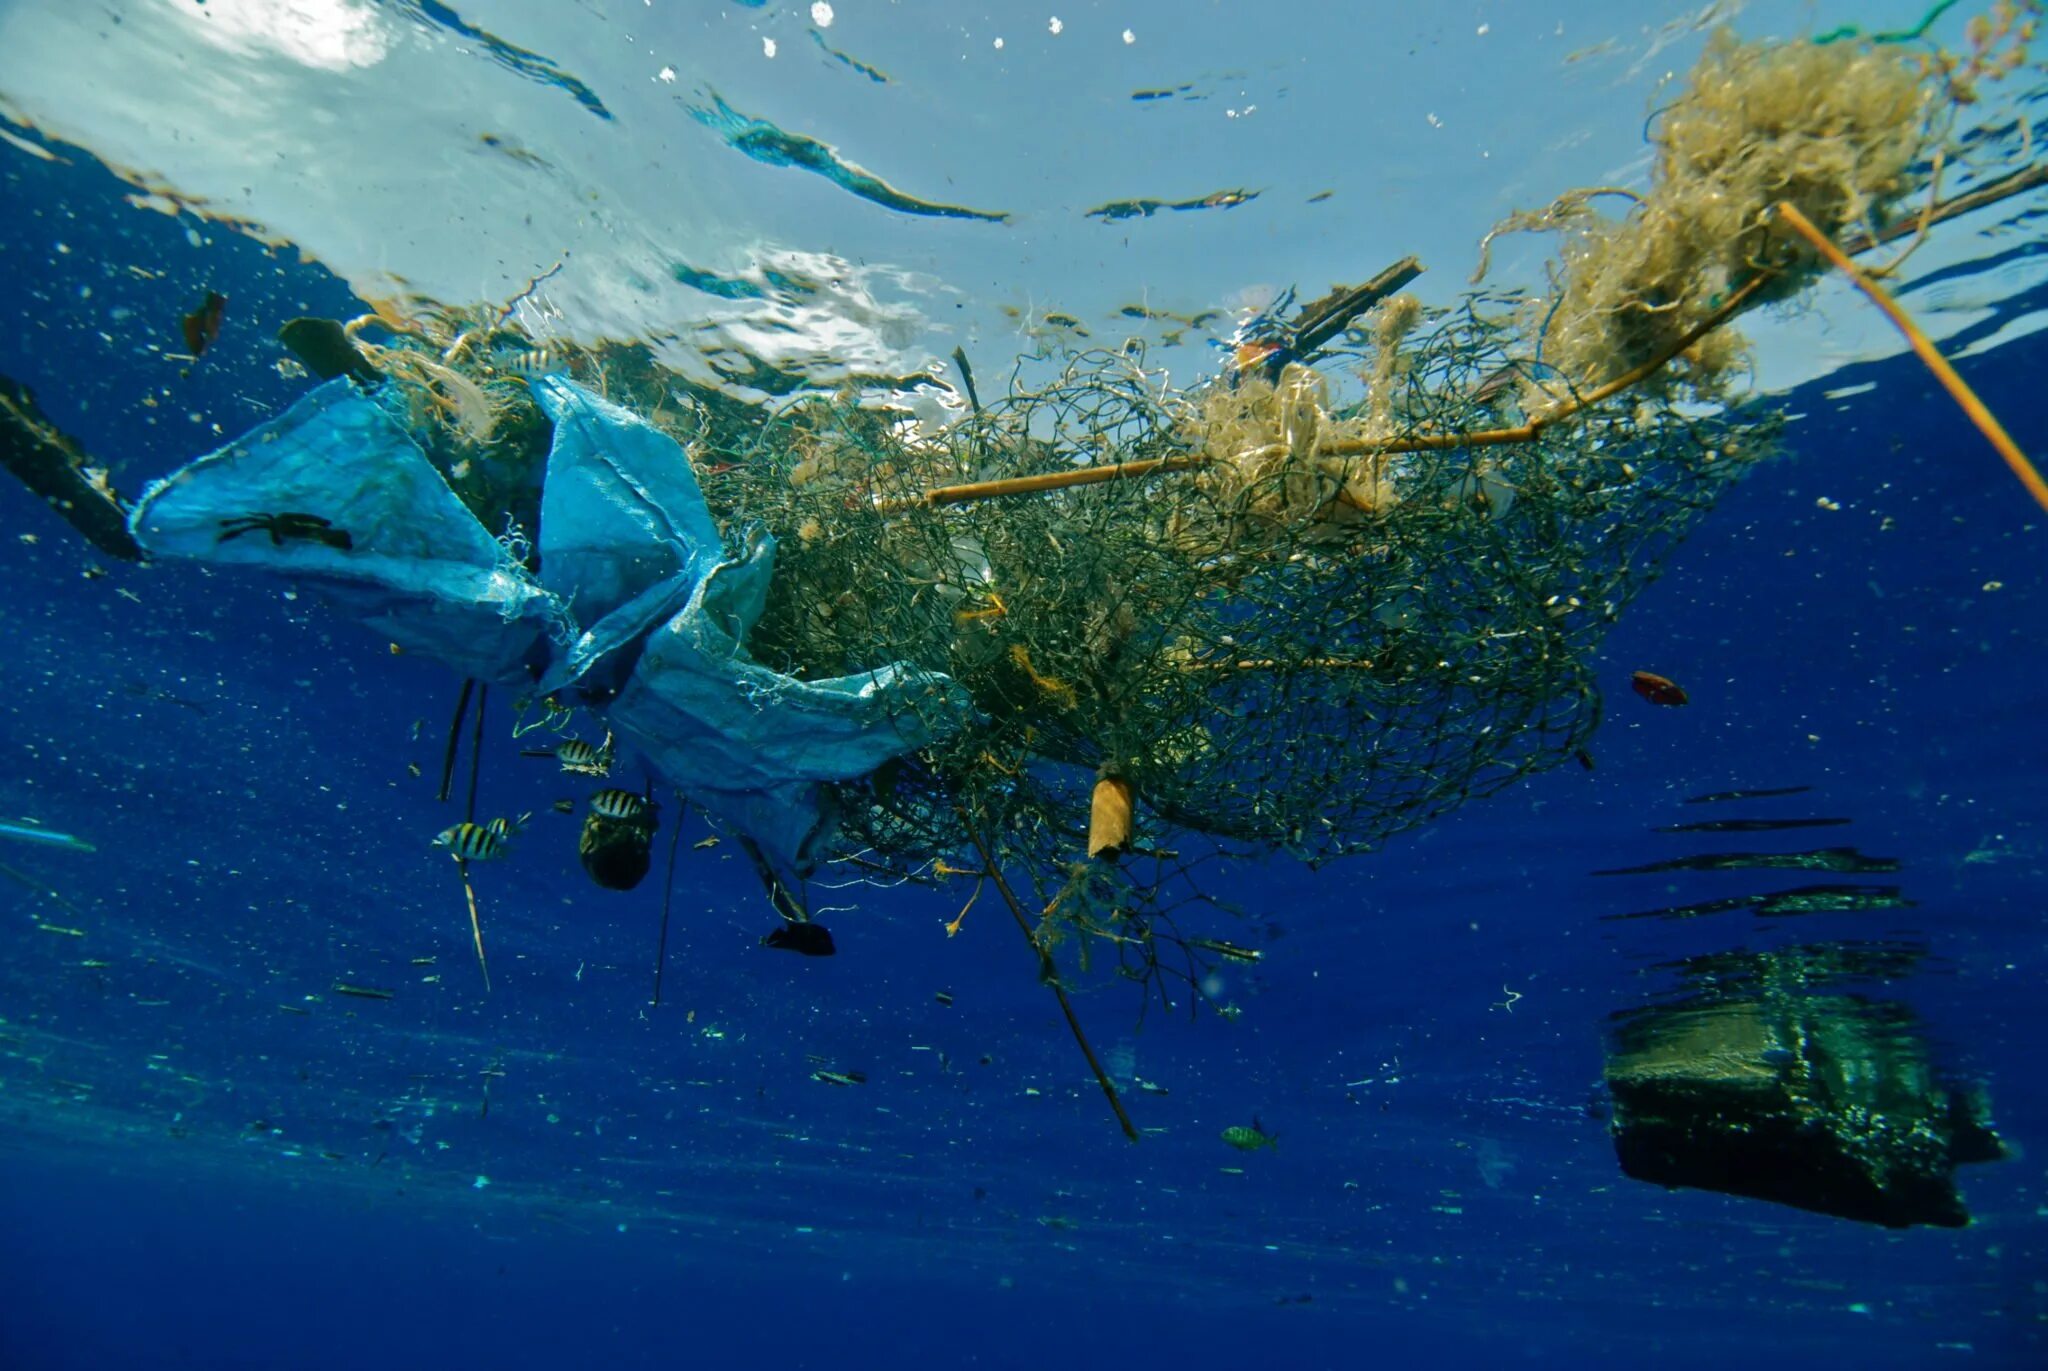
column 192, row 1175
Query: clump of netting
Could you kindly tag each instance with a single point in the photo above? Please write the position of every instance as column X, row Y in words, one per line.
column 1844, row 132
column 1273, row 647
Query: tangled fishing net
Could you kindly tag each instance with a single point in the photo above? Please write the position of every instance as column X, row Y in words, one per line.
column 1322, row 598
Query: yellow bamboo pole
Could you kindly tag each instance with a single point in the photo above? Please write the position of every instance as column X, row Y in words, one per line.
column 1958, row 389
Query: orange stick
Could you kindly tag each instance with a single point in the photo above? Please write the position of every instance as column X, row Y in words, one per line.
column 1986, row 423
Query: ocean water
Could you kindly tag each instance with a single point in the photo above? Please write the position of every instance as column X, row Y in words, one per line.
column 213, row 1159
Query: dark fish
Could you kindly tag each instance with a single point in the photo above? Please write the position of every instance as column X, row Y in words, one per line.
column 1842, row 859
column 362, row 992
column 945, row 998
column 1748, row 825
column 812, row 940
column 327, row 351
column 1722, row 795
column 839, row 1077
column 1658, row 690
column 202, row 325
column 967, row 377
column 563, row 806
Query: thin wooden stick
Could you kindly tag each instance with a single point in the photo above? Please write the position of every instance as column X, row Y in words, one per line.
column 1958, row 389
column 476, row 747
column 1051, row 980
column 476, row 926
column 454, row 740
column 1050, row 480
column 668, row 893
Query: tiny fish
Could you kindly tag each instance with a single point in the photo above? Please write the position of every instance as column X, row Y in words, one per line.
column 944, row 997
column 1228, row 951
column 1658, row 690
column 361, row 992
column 840, row 1077
column 706, row 843
column 812, row 940
column 202, row 325
column 563, row 806
column 1249, row 1139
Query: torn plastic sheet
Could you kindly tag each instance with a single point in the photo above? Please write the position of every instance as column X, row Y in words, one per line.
column 418, row 567
column 636, row 592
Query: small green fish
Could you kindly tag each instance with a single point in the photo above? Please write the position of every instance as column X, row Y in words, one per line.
column 1249, row 1139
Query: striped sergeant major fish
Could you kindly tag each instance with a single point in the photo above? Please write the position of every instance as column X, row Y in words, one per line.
column 578, row 757
column 622, row 805
column 585, row 759
column 485, row 842
column 531, row 363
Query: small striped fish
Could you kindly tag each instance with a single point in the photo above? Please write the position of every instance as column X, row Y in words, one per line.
column 479, row 842
column 532, row 363
column 585, row 759
column 619, row 804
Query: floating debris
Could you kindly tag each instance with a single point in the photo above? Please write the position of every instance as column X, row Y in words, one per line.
column 1145, row 209
column 839, row 1077
column 874, row 74
column 764, row 142
column 362, row 992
